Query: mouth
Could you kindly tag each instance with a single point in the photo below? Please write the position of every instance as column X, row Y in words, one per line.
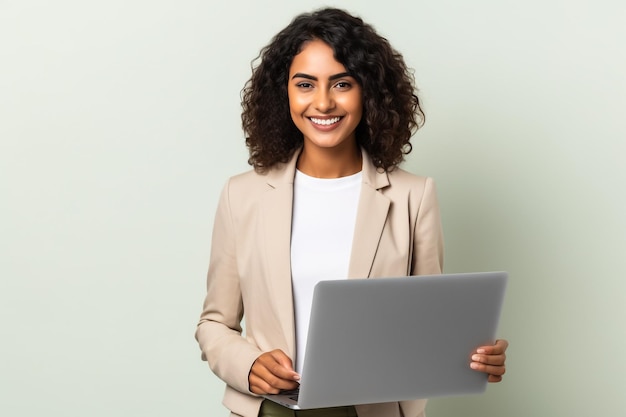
column 325, row 122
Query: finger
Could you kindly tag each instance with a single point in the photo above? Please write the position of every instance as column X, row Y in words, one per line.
column 279, row 365
column 262, row 381
column 488, row 369
column 268, row 375
column 497, row 348
column 494, row 378
column 283, row 366
column 489, row 359
column 259, row 386
column 275, row 357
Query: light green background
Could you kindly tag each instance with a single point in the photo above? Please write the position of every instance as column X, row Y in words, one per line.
column 119, row 123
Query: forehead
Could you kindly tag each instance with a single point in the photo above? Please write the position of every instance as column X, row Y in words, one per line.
column 316, row 57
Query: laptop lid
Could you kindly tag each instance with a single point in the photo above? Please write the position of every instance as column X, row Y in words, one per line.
column 394, row 339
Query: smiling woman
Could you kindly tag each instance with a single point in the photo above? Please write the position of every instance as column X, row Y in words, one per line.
column 328, row 115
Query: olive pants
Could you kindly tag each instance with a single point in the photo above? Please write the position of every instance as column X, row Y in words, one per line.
column 271, row 409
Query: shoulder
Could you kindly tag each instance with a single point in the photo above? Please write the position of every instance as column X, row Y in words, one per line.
column 245, row 186
column 401, row 181
column 407, row 191
column 401, row 176
column 250, row 186
column 248, row 179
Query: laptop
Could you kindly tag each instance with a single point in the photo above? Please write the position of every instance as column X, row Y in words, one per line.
column 395, row 339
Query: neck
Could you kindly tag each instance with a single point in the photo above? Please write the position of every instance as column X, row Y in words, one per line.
column 330, row 163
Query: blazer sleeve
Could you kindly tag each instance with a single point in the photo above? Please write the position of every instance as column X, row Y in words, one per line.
column 428, row 234
column 229, row 355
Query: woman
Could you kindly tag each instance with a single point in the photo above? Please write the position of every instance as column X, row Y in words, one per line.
column 328, row 114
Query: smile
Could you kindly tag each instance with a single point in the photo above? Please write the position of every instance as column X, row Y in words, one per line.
column 325, row 122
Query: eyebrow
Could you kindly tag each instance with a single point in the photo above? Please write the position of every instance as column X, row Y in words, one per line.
column 311, row 77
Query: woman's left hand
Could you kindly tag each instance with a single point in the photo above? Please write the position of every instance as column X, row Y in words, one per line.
column 490, row 360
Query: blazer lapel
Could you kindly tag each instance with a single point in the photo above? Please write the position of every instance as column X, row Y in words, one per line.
column 276, row 215
column 370, row 221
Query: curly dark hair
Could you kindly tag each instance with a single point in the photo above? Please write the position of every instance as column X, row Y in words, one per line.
column 391, row 109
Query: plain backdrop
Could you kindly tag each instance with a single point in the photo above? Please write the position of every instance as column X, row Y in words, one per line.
column 120, row 122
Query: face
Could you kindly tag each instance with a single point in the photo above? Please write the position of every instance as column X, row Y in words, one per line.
column 324, row 100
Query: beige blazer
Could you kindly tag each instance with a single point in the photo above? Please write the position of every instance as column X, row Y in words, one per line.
column 398, row 232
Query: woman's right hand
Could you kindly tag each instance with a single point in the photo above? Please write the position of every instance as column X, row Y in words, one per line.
column 271, row 373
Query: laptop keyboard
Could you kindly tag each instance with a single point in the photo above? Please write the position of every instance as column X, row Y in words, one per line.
column 293, row 393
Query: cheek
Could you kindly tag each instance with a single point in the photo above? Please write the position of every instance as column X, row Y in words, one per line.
column 295, row 104
column 354, row 104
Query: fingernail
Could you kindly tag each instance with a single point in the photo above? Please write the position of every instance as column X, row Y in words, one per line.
column 474, row 365
column 296, row 377
column 475, row 357
column 480, row 351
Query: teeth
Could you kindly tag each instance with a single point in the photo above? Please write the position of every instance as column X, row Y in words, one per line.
column 325, row 122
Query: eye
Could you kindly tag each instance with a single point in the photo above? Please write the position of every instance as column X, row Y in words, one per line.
column 343, row 85
column 304, row 84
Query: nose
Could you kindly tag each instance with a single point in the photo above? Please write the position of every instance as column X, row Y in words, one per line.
column 324, row 100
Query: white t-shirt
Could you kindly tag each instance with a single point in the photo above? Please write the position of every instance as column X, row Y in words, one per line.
column 324, row 214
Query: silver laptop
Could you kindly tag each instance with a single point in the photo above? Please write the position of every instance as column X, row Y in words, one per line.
column 394, row 339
